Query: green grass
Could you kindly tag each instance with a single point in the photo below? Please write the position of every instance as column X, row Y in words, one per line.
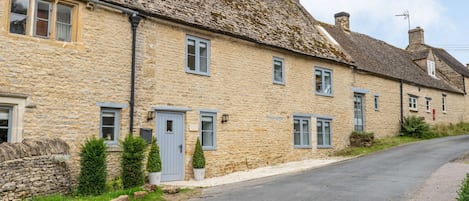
column 154, row 196
column 378, row 145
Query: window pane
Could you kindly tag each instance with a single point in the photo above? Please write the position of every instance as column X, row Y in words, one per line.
column 278, row 73
column 207, row 123
column 203, row 64
column 169, row 126
column 318, row 75
column 207, row 138
column 191, row 62
column 108, row 133
column 108, row 118
column 191, row 47
column 327, row 82
column 327, row 133
column 42, row 19
column 305, row 132
column 319, row 132
column 3, row 135
column 64, row 23
column 296, row 132
column 18, row 16
column 4, row 117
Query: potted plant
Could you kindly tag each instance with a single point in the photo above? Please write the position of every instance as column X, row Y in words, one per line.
column 198, row 161
column 154, row 163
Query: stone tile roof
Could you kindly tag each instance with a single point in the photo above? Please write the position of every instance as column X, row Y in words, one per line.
column 376, row 56
column 451, row 61
column 279, row 23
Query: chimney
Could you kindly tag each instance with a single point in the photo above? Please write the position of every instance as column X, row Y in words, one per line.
column 342, row 20
column 467, row 65
column 416, row 36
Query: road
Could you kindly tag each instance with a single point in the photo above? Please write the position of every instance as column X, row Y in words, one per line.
column 393, row 175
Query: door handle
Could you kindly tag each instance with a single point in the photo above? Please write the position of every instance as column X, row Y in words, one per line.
column 180, row 148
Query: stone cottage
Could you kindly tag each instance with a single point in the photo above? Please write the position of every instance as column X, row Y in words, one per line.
column 259, row 82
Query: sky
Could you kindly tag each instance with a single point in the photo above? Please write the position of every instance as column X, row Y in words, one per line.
column 444, row 21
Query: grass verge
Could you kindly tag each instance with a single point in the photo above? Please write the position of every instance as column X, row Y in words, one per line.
column 153, row 196
column 378, row 145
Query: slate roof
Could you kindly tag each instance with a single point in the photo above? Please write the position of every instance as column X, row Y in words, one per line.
column 279, row 23
column 375, row 56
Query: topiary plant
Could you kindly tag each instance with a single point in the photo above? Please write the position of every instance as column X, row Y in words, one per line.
column 93, row 173
column 198, row 159
column 132, row 161
column 154, row 160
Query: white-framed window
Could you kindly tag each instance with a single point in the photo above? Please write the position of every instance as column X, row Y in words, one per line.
column 278, row 69
column 428, row 102
column 443, row 103
column 197, row 55
column 324, row 133
column 413, row 103
column 301, row 132
column 323, row 81
column 50, row 19
column 5, row 123
column 208, row 129
column 431, row 68
column 376, row 102
column 109, row 128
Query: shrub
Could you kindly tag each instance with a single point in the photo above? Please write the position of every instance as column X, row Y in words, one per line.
column 92, row 179
column 361, row 139
column 414, row 126
column 198, row 159
column 132, row 161
column 114, row 185
column 154, row 160
column 463, row 193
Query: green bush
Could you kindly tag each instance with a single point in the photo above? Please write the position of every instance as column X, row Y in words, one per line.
column 198, row 159
column 92, row 179
column 132, row 161
column 414, row 126
column 115, row 185
column 154, row 160
column 463, row 193
column 361, row 139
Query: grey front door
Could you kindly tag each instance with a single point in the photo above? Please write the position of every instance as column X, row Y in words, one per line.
column 358, row 112
column 170, row 133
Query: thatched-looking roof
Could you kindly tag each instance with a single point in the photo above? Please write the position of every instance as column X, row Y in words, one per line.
column 376, row 56
column 279, row 23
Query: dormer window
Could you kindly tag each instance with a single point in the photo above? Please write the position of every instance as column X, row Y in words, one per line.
column 431, row 68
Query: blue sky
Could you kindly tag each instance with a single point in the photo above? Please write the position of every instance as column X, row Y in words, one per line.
column 445, row 22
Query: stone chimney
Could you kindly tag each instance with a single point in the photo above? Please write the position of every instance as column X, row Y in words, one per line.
column 416, row 36
column 342, row 20
column 467, row 65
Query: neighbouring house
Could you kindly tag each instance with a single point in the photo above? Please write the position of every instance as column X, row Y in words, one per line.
column 259, row 82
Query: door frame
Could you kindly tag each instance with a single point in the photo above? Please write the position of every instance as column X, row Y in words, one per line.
column 362, row 96
column 183, row 126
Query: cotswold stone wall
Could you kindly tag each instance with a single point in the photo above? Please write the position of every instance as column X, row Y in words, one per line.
column 33, row 167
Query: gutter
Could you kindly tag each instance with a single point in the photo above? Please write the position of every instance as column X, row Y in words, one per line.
column 134, row 20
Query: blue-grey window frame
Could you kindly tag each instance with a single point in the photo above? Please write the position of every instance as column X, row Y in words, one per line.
column 323, row 120
column 197, row 55
column 428, row 104
column 214, row 135
column 411, row 108
column 376, row 102
column 10, row 119
column 302, row 144
column 323, row 70
column 116, row 112
column 282, row 61
column 444, row 103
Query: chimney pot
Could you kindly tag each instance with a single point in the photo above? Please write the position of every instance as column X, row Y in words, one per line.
column 342, row 20
column 416, row 36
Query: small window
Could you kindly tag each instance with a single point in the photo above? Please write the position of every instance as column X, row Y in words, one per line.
column 323, row 81
column 428, row 104
column 19, row 16
column 110, row 125
column 208, row 130
column 301, row 132
column 413, row 103
column 278, row 71
column 63, row 25
column 324, row 133
column 443, row 103
column 197, row 55
column 169, row 126
column 5, row 124
column 431, row 68
column 376, row 103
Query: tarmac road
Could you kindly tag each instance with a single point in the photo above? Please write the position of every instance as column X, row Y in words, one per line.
column 395, row 174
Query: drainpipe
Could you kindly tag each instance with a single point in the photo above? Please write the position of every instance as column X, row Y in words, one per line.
column 402, row 104
column 134, row 20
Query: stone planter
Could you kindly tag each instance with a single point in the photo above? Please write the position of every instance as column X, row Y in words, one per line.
column 154, row 178
column 199, row 174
